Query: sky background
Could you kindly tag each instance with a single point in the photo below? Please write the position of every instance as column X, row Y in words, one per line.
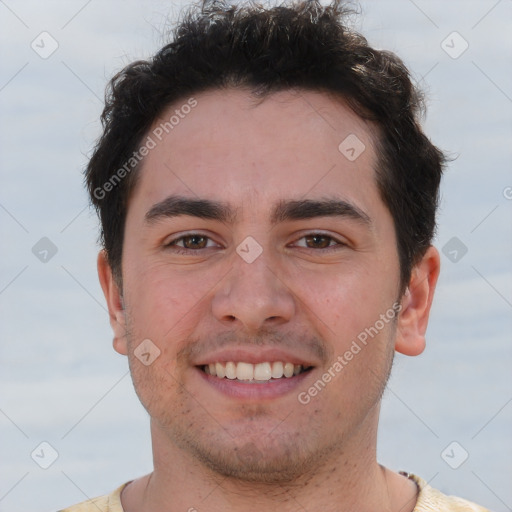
column 60, row 380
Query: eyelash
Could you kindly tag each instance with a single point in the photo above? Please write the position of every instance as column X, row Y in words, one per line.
column 182, row 250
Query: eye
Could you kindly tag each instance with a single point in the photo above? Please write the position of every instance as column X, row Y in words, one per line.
column 318, row 241
column 192, row 242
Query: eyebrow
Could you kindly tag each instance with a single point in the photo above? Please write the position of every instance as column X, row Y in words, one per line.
column 311, row 208
column 285, row 210
column 174, row 206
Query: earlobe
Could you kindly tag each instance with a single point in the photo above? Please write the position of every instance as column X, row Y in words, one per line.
column 115, row 304
column 416, row 304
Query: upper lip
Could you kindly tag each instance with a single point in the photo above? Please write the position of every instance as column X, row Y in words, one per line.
column 253, row 355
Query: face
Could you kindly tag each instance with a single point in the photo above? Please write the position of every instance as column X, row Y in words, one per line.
column 262, row 265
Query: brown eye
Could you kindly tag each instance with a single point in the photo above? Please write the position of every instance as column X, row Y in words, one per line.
column 194, row 241
column 318, row 241
column 192, row 244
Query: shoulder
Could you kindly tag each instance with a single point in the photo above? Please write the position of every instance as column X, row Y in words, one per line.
column 107, row 503
column 432, row 500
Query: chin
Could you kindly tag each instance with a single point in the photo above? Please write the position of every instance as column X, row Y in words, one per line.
column 268, row 459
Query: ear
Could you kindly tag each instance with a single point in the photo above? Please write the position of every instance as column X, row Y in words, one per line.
column 416, row 303
column 114, row 300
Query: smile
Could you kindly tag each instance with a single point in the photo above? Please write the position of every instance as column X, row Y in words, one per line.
column 254, row 373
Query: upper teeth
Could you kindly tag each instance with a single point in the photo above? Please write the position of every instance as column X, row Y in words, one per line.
column 248, row 371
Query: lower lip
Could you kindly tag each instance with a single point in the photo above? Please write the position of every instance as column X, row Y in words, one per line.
column 273, row 388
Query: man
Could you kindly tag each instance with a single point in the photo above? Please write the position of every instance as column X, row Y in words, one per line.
column 267, row 201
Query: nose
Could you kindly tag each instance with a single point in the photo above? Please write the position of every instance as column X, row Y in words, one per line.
column 253, row 296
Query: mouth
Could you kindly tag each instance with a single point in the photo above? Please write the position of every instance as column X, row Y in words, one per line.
column 259, row 373
column 247, row 373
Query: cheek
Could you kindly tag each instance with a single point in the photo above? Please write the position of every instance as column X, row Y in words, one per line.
column 155, row 381
column 346, row 301
column 162, row 320
column 349, row 306
column 166, row 304
column 361, row 370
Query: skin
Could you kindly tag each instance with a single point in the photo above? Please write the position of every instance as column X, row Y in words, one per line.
column 309, row 296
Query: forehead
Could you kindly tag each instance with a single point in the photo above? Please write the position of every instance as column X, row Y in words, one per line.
column 231, row 146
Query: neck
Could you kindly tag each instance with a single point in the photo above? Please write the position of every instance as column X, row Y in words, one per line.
column 347, row 479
